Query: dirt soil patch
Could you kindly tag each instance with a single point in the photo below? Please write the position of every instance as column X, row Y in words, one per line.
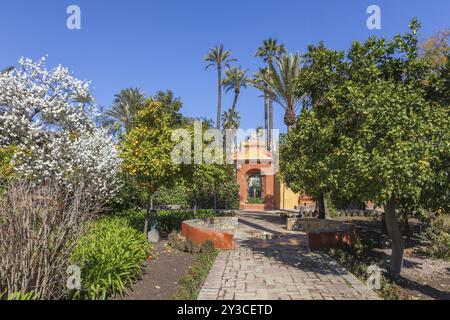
column 423, row 278
column 161, row 275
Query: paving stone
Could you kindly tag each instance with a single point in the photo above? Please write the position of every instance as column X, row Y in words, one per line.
column 277, row 269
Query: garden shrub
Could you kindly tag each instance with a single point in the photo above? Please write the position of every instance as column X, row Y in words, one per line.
column 167, row 220
column 58, row 138
column 255, row 201
column 132, row 196
column 39, row 227
column 177, row 195
column 111, row 256
column 227, row 197
column 437, row 236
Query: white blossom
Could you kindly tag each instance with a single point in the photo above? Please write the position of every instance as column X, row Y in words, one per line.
column 46, row 115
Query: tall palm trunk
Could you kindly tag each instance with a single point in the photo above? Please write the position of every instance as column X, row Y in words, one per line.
column 270, row 62
column 289, row 118
column 266, row 120
column 270, row 123
column 233, row 106
column 219, row 96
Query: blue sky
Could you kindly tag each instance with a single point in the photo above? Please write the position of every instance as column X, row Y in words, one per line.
column 160, row 44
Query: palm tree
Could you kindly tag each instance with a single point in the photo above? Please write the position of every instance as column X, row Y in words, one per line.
column 126, row 104
column 235, row 79
column 259, row 83
column 231, row 120
column 219, row 57
column 268, row 51
column 282, row 82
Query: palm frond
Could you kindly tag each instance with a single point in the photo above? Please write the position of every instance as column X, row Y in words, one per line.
column 235, row 79
column 218, row 57
column 270, row 49
column 126, row 105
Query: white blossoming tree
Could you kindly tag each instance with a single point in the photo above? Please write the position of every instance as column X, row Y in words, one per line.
column 47, row 115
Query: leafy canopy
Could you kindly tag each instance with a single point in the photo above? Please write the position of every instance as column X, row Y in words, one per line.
column 146, row 150
column 376, row 129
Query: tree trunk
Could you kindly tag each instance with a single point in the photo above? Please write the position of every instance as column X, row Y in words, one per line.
column 396, row 238
column 266, row 120
column 219, row 97
column 215, row 200
column 153, row 211
column 195, row 206
column 270, row 123
column 233, row 106
column 323, row 207
column 147, row 213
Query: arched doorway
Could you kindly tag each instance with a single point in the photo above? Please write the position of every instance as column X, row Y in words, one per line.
column 255, row 187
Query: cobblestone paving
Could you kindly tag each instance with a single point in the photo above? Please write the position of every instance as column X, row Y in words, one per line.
column 270, row 263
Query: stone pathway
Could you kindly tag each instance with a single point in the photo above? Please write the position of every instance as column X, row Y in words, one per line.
column 270, row 263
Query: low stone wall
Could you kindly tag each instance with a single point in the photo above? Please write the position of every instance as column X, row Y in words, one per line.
column 219, row 230
column 339, row 213
column 359, row 213
column 296, row 213
column 324, row 234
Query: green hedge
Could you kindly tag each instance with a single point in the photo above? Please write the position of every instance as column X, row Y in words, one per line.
column 167, row 220
column 131, row 196
column 227, row 197
column 111, row 256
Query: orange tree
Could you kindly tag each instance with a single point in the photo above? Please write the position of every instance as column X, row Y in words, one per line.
column 207, row 175
column 146, row 151
column 378, row 129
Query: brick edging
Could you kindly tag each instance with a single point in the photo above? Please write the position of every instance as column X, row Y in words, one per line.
column 213, row 283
